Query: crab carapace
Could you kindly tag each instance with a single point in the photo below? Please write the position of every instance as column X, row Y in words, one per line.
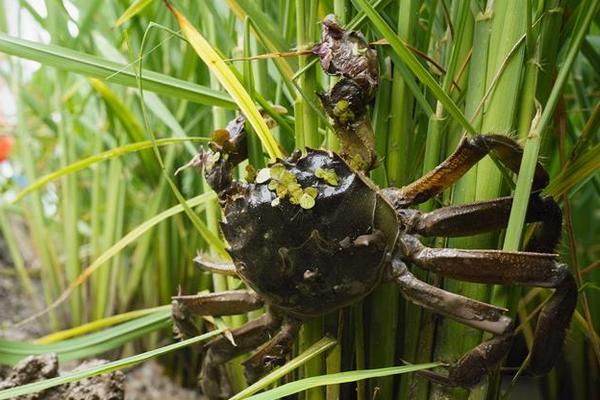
column 312, row 233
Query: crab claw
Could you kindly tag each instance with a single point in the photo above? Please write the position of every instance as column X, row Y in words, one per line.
column 231, row 141
column 348, row 54
column 227, row 148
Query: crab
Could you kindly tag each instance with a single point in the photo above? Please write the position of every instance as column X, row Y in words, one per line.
column 311, row 233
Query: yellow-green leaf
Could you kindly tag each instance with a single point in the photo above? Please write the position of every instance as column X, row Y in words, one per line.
column 96, row 158
column 229, row 81
column 134, row 9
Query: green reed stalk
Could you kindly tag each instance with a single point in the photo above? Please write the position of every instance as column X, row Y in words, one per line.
column 384, row 304
column 507, row 21
column 307, row 135
column 255, row 156
column 112, row 202
column 380, row 118
column 419, row 335
column 401, row 121
column 35, row 219
column 69, row 211
column 17, row 259
column 503, row 296
column 399, row 145
column 532, row 146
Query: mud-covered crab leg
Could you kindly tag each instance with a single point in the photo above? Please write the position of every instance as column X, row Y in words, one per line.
column 468, row 153
column 247, row 337
column 485, row 216
column 213, row 379
column 274, row 352
column 470, row 368
column 216, row 267
column 474, row 365
column 506, row 268
column 221, row 303
column 215, row 304
column 462, row 309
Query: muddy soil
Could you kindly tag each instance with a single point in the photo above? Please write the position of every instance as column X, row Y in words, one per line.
column 147, row 381
column 34, row 368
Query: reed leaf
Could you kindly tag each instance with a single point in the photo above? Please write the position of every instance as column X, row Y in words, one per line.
column 96, row 67
column 229, row 81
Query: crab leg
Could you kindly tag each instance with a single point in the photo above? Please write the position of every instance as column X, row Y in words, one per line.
column 487, row 266
column 462, row 309
column 512, row 268
column 213, row 377
column 216, row 267
column 474, row 218
column 273, row 352
column 215, row 304
column 475, row 364
column 470, row 368
column 468, row 153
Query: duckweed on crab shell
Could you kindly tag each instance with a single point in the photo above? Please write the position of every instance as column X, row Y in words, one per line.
column 285, row 185
column 314, row 234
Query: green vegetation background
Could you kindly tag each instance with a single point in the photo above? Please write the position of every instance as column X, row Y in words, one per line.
column 97, row 200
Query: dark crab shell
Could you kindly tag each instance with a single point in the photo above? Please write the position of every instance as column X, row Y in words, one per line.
column 309, row 262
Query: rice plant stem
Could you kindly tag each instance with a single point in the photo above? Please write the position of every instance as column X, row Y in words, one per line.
column 568, row 220
column 532, row 146
column 412, row 63
column 506, row 23
column 8, row 234
column 307, row 135
column 51, row 277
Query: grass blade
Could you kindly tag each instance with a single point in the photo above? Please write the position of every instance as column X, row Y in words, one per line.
column 120, row 245
column 313, row 351
column 229, row 81
column 575, row 173
column 134, row 9
column 96, row 67
column 102, row 369
column 90, row 344
column 96, row 158
column 98, row 324
column 336, row 379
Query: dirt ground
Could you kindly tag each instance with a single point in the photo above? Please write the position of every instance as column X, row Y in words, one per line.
column 146, row 381
column 34, row 368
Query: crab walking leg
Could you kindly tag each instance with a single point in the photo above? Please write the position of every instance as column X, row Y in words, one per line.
column 213, row 378
column 474, row 365
column 507, row 268
column 215, row 304
column 272, row 353
column 216, row 267
column 485, row 216
column 462, row 309
column 470, row 368
column 468, row 153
